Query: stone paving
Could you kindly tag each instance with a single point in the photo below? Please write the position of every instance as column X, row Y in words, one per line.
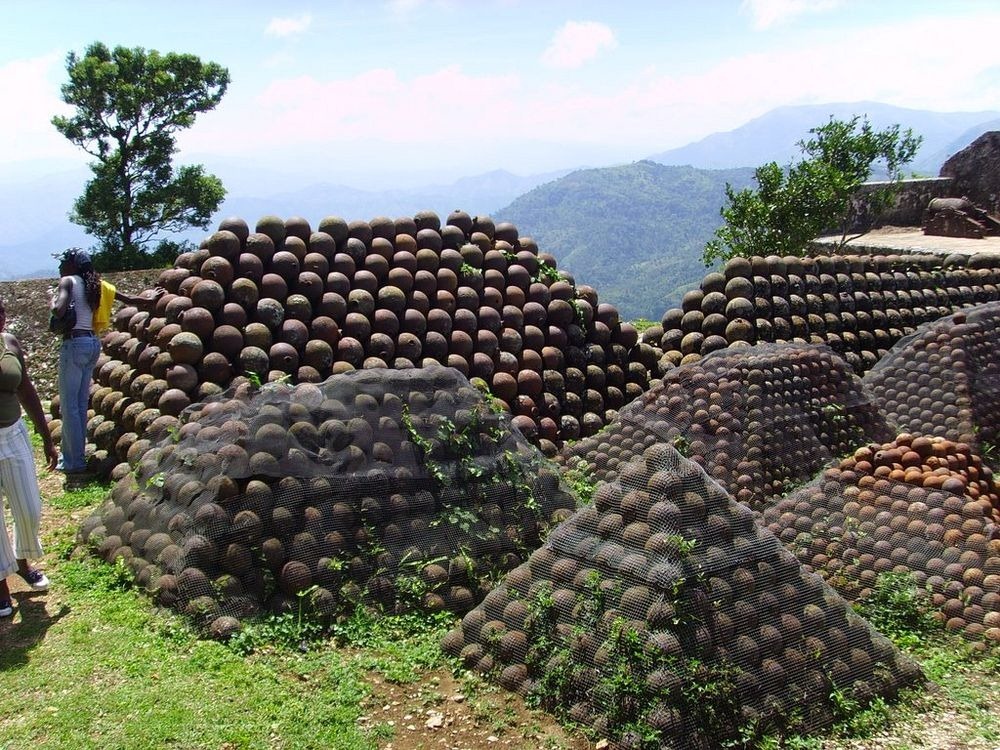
column 913, row 240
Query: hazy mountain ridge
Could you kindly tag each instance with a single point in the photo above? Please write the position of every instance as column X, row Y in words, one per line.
column 774, row 135
column 34, row 213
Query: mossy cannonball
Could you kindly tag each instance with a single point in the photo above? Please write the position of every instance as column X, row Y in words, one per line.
column 319, row 355
column 245, row 293
column 253, row 360
column 224, row 244
column 273, row 227
column 186, row 348
column 270, row 312
column 334, row 226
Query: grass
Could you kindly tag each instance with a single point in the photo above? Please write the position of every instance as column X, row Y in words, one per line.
column 105, row 671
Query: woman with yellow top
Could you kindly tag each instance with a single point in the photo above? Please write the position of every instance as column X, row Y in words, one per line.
column 80, row 284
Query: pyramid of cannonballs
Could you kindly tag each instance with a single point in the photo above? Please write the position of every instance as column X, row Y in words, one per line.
column 926, row 507
column 396, row 488
column 757, row 419
column 858, row 305
column 285, row 301
column 665, row 616
column 945, row 379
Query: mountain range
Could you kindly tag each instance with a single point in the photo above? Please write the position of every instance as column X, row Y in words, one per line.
column 33, row 212
column 634, row 231
column 774, row 136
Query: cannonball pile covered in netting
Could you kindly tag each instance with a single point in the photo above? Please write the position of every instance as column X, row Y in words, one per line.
column 944, row 379
column 921, row 506
column 395, row 488
column 285, row 301
column 758, row 419
column 664, row 616
column 858, row 305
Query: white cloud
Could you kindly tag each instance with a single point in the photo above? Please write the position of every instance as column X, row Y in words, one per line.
column 403, row 9
column 404, row 6
column 577, row 42
column 282, row 27
column 768, row 13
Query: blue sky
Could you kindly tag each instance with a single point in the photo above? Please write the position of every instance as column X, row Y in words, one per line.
column 390, row 92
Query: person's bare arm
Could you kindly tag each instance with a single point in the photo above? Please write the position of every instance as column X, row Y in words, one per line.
column 28, row 396
column 144, row 301
column 63, row 294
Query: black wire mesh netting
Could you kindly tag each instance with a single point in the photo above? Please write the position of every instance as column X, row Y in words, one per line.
column 944, row 379
column 758, row 419
column 665, row 616
column 398, row 489
column 924, row 507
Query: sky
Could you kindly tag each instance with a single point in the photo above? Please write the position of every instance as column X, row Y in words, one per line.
column 391, row 92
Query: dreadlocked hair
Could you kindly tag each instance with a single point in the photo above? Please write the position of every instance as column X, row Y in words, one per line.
column 91, row 287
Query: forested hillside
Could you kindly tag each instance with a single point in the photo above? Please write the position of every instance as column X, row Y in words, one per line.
column 635, row 232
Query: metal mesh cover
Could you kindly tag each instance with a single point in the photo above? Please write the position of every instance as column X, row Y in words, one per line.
column 924, row 507
column 757, row 419
column 665, row 616
column 944, row 379
column 398, row 488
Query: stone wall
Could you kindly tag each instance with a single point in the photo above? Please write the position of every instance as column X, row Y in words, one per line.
column 913, row 197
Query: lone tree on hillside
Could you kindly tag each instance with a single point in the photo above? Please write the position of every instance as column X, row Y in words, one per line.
column 129, row 104
column 792, row 206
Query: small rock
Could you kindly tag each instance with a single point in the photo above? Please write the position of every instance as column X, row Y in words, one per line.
column 435, row 721
column 601, row 745
column 458, row 698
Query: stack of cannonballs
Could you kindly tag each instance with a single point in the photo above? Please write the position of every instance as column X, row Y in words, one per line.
column 285, row 301
column 397, row 488
column 923, row 506
column 758, row 419
column 945, row 379
column 665, row 616
column 858, row 305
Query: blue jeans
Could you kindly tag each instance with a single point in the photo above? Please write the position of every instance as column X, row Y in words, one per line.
column 77, row 358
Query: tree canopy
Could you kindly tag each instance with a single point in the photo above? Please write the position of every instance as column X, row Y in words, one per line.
column 817, row 194
column 130, row 103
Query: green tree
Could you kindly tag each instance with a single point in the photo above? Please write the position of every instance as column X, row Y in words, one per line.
column 129, row 105
column 816, row 194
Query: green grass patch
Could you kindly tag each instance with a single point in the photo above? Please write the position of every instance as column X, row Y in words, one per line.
column 399, row 647
column 107, row 670
column 86, row 496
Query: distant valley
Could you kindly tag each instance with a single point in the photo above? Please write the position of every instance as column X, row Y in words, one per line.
column 634, row 232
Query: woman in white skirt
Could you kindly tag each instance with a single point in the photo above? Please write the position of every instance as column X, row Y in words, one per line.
column 18, row 483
